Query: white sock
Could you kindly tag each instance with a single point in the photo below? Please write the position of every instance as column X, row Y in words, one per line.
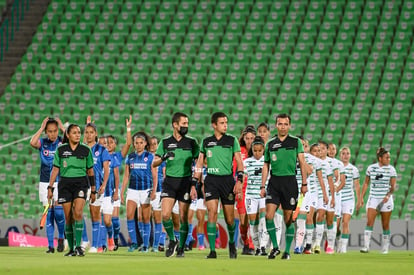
column 278, row 226
column 367, row 238
column 264, row 237
column 254, row 233
column 319, row 233
column 309, row 234
column 300, row 232
column 385, row 242
column 343, row 244
column 331, row 234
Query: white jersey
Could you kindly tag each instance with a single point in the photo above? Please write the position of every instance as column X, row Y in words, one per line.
column 326, row 172
column 380, row 177
column 253, row 170
column 351, row 174
column 312, row 180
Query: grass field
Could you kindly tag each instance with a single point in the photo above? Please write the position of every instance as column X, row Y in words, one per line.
column 35, row 261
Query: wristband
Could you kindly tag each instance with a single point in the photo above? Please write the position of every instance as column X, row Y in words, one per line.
column 128, row 129
column 240, row 176
column 262, row 187
column 305, row 185
column 94, row 192
column 50, row 187
column 194, row 182
column 92, row 180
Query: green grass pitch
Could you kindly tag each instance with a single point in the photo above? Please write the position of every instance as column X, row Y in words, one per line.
column 16, row 260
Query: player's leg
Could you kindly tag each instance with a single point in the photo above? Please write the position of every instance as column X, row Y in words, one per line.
column 385, row 221
column 107, row 210
column 183, row 208
column 146, row 230
column 264, row 236
column 189, row 240
column 156, row 214
column 331, row 233
column 310, row 227
column 252, row 208
column 371, row 214
column 166, row 209
column 301, row 223
column 212, row 206
column 116, row 225
column 175, row 215
column 320, row 226
column 95, row 211
column 200, row 213
column 131, row 207
column 50, row 224
column 59, row 219
column 78, row 205
column 231, row 227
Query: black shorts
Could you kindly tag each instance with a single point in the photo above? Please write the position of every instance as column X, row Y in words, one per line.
column 70, row 189
column 177, row 188
column 283, row 190
column 216, row 187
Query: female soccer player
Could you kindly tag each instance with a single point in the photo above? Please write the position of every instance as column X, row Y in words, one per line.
column 101, row 160
column 73, row 161
column 47, row 149
column 142, row 188
column 383, row 178
column 347, row 196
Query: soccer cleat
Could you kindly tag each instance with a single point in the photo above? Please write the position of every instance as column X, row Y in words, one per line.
column 263, row 251
column 116, row 246
column 133, row 247
column 232, row 251
column 285, row 256
column 257, row 252
column 161, row 248
column 93, row 250
column 190, row 245
column 79, row 251
column 172, row 247
column 308, row 249
column 273, row 253
column 201, row 247
column 104, row 248
column 154, row 250
column 247, row 250
column 100, row 250
column 364, row 250
column 144, row 249
column 297, row 250
column 212, row 255
column 61, row 245
column 329, row 250
column 50, row 250
column 111, row 244
column 71, row 253
column 317, row 249
column 84, row 245
column 180, row 252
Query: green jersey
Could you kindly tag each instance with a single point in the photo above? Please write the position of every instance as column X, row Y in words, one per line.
column 282, row 155
column 185, row 151
column 219, row 154
column 73, row 163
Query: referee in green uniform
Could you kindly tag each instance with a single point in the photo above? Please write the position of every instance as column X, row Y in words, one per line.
column 74, row 161
column 219, row 150
column 281, row 155
column 179, row 151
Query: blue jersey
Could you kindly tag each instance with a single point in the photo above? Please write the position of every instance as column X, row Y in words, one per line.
column 160, row 176
column 47, row 153
column 100, row 155
column 110, row 186
column 120, row 159
column 140, row 176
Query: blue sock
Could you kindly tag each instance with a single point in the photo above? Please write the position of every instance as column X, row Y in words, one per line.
column 236, row 232
column 84, row 233
column 146, row 233
column 95, row 234
column 110, row 231
column 116, row 227
column 141, row 230
column 60, row 221
column 190, row 234
column 50, row 226
column 102, row 234
column 200, row 238
column 177, row 234
column 157, row 235
column 131, row 231
column 162, row 238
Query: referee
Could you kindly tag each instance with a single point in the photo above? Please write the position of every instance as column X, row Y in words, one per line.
column 281, row 155
column 219, row 150
column 178, row 151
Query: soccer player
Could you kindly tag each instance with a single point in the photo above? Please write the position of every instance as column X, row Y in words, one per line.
column 347, row 196
column 281, row 154
column 119, row 157
column 47, row 148
column 101, row 160
column 156, row 204
column 253, row 169
column 383, row 178
column 179, row 152
column 142, row 188
column 74, row 161
column 219, row 150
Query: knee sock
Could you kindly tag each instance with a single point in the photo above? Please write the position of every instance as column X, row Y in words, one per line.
column 236, row 233
column 300, row 231
column 200, row 238
column 116, row 227
column 243, row 234
column 254, row 233
column 84, row 232
column 131, row 231
column 102, row 235
column 309, row 233
column 50, row 226
column 60, row 221
column 157, row 235
column 211, row 234
column 141, row 230
column 344, row 242
column 367, row 236
column 177, row 234
column 271, row 230
column 231, row 229
column 183, row 233
column 331, row 236
column 69, row 235
column 78, row 232
column 95, row 234
column 169, row 228
column 289, row 235
column 189, row 235
column 109, row 231
column 146, row 231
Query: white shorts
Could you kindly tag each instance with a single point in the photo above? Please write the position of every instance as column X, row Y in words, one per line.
column 176, row 209
column 347, row 207
column 387, row 207
column 107, row 206
column 138, row 196
column 253, row 205
column 193, row 205
column 321, row 205
column 156, row 203
column 338, row 204
column 201, row 205
column 117, row 203
column 310, row 200
column 43, row 192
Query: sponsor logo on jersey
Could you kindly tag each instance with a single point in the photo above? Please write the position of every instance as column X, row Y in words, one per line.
column 67, row 153
column 65, row 164
column 172, row 145
column 208, row 194
column 211, row 143
column 213, row 170
column 276, row 145
column 138, row 166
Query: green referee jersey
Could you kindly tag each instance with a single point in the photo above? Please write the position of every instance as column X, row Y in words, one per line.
column 219, row 154
column 73, row 163
column 185, row 151
column 282, row 155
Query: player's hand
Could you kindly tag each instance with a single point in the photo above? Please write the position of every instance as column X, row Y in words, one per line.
column 333, row 202
column 325, row 199
column 152, row 195
column 89, row 120
column 128, row 122
column 263, row 193
column 101, row 189
column 45, row 120
column 167, row 155
column 49, row 194
column 193, row 193
column 386, row 199
column 122, row 198
column 92, row 198
column 304, row 189
column 115, row 196
column 238, row 189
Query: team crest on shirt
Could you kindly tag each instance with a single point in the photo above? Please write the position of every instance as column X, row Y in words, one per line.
column 186, row 196
column 65, row 164
column 209, row 154
column 46, row 153
column 81, row 194
column 274, row 157
column 97, row 153
column 145, row 159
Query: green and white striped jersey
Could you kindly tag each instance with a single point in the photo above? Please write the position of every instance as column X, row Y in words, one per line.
column 351, row 174
column 253, row 169
column 335, row 165
column 380, row 177
column 313, row 182
column 326, row 171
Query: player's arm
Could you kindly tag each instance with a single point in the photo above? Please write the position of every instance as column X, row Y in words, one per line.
column 238, row 187
column 116, row 179
column 105, row 177
column 265, row 172
column 332, row 190
column 364, row 190
column 53, row 176
column 92, row 182
column 337, row 177
column 357, row 191
column 124, row 182
column 60, row 124
column 304, row 171
column 322, row 186
column 342, row 182
column 393, row 182
column 127, row 145
column 197, row 175
column 35, row 140
column 154, row 172
column 88, row 120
